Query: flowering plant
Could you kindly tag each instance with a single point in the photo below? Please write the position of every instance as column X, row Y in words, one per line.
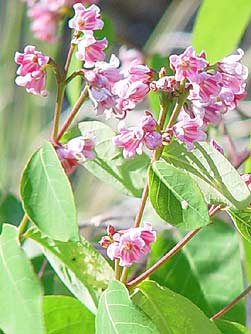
column 143, row 277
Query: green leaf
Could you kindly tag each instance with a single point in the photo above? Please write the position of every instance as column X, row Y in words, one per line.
column 219, row 182
column 73, row 89
column 117, row 314
column 11, row 210
column 47, row 195
column 219, row 26
column 171, row 312
column 80, row 267
column 176, row 197
column 228, row 327
column 242, row 221
column 128, row 176
column 207, row 270
column 66, row 315
column 20, row 293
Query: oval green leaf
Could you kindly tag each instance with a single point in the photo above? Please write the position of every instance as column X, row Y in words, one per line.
column 47, row 195
column 66, row 315
column 109, row 166
column 118, row 315
column 20, row 292
column 79, row 266
column 176, row 197
column 171, row 312
column 219, row 182
column 219, row 26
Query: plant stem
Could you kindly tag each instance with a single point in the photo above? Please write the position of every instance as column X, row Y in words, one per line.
column 73, row 113
column 58, row 107
column 22, row 225
column 172, row 251
column 124, row 275
column 42, row 269
column 231, row 304
column 117, row 269
column 74, row 75
column 68, row 60
column 178, row 107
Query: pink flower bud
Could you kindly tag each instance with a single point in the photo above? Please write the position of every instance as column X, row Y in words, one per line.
column 153, row 140
column 110, row 229
column 148, row 123
column 217, row 146
column 105, row 241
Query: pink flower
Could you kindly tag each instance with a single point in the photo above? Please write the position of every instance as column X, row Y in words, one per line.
column 31, row 75
column 207, row 85
column 131, row 139
column 134, row 138
column 104, row 75
column 76, row 151
column 187, row 65
column 129, row 246
column 140, row 73
column 135, row 91
column 147, row 233
column 189, row 130
column 91, row 50
column 102, row 99
column 86, row 18
column 232, row 66
column 30, row 61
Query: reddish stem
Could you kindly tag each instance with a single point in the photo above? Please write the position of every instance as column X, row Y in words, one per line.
column 231, row 304
column 73, row 113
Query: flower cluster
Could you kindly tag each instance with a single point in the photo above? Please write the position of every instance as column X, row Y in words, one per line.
column 128, row 246
column 46, row 15
column 213, row 90
column 31, row 74
column 134, row 138
column 118, row 88
column 76, row 151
